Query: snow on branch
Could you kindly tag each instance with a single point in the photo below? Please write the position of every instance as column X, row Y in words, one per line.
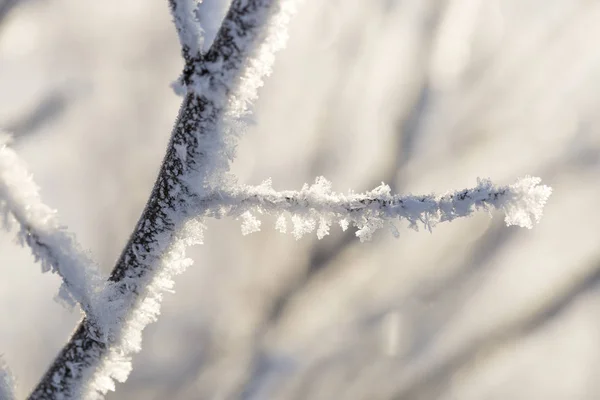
column 220, row 85
column 197, row 23
column 188, row 26
column 318, row 207
column 191, row 38
column 194, row 182
column 243, row 53
column 51, row 244
column 7, row 382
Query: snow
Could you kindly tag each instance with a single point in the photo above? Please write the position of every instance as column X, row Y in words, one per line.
column 50, row 242
column 527, row 201
column 203, row 143
column 126, row 325
column 250, row 223
column 318, row 205
column 191, row 34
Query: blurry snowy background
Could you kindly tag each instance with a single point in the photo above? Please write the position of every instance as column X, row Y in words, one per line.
column 426, row 95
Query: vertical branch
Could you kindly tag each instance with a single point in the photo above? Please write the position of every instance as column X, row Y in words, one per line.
column 196, row 160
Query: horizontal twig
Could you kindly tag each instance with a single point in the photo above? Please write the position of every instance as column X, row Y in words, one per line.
column 318, row 205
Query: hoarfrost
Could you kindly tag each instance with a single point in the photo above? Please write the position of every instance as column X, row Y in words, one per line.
column 318, row 206
column 302, row 225
column 281, row 224
column 324, row 224
column 220, row 88
column 50, row 243
column 527, row 202
column 122, row 328
column 250, row 223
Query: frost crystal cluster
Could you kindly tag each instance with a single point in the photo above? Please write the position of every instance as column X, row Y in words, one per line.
column 219, row 84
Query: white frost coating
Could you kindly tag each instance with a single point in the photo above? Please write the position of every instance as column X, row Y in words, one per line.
column 527, row 203
column 191, row 34
column 281, row 224
column 302, row 225
column 243, row 90
column 209, row 14
column 250, row 223
column 522, row 203
column 122, row 322
column 117, row 365
column 224, row 90
column 7, row 382
column 261, row 65
column 232, row 86
column 344, row 224
column 50, row 243
column 190, row 18
column 324, row 224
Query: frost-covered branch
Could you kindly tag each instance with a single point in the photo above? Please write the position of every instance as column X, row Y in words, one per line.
column 219, row 90
column 39, row 229
column 194, row 182
column 191, row 38
column 7, row 382
column 318, row 207
column 188, row 27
